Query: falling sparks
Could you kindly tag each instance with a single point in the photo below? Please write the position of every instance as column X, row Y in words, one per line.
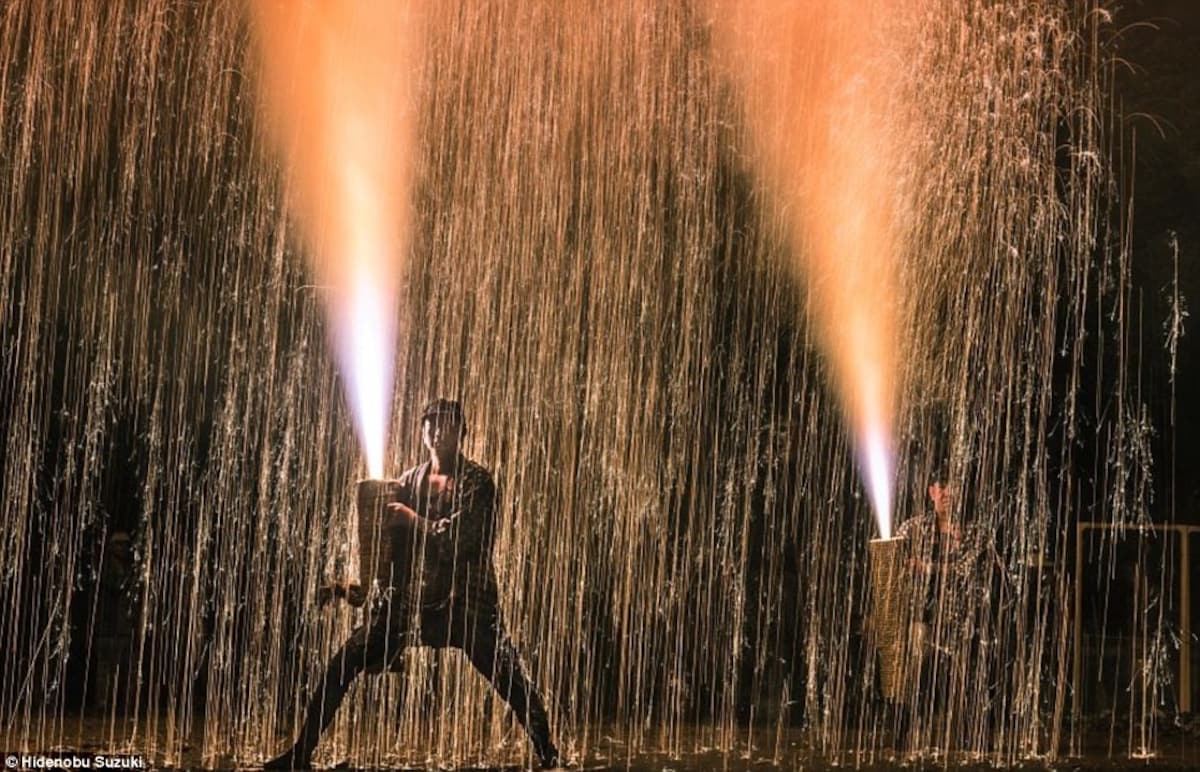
column 613, row 295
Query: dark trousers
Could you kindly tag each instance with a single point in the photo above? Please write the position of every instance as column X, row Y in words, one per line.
column 384, row 636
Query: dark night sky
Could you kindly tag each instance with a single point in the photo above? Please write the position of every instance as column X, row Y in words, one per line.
column 1159, row 97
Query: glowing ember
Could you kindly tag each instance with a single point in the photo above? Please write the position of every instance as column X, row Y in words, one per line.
column 339, row 94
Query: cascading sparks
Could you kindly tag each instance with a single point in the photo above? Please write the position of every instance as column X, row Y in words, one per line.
column 672, row 540
column 338, row 90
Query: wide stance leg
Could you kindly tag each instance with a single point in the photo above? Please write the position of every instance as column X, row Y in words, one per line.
column 369, row 647
column 492, row 653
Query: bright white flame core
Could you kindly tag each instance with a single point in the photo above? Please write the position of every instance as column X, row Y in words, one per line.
column 365, row 350
column 877, row 468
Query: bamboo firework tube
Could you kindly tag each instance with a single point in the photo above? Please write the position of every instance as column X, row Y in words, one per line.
column 376, row 532
column 889, row 617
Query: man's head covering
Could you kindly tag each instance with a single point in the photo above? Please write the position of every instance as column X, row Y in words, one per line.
column 442, row 409
column 939, row 471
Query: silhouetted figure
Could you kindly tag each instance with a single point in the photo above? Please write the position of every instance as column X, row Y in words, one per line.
column 445, row 510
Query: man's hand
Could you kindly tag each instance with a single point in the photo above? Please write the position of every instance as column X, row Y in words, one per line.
column 407, row 516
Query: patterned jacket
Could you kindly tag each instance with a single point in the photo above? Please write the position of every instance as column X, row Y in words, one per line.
column 947, row 593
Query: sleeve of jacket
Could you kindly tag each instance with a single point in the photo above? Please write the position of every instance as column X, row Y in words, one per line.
column 967, row 560
column 404, row 492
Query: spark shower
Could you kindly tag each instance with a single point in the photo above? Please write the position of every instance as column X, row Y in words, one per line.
column 597, row 225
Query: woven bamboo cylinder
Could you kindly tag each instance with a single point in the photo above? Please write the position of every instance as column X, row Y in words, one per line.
column 889, row 613
column 376, row 531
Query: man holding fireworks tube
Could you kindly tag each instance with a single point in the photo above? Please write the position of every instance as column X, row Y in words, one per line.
column 442, row 593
